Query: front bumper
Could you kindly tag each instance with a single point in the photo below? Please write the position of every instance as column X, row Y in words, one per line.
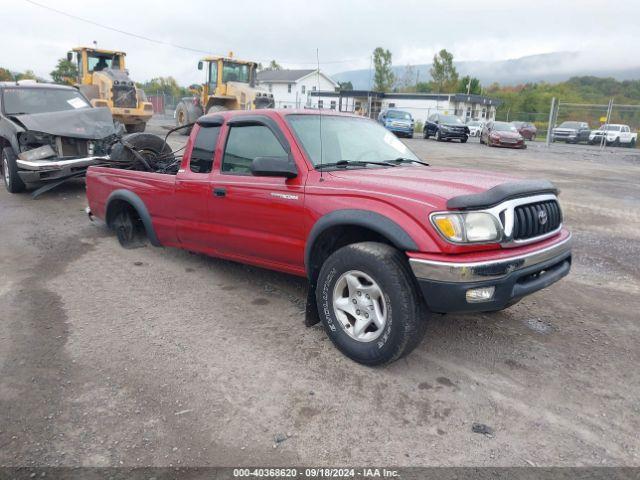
column 453, row 135
column 445, row 284
column 405, row 130
column 37, row 171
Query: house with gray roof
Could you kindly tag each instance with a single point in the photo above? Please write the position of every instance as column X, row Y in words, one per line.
column 292, row 88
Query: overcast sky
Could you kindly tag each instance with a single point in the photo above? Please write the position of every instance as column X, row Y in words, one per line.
column 345, row 32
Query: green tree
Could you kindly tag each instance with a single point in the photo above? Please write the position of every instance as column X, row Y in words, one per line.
column 424, row 87
column 65, row 72
column 5, row 75
column 469, row 84
column 383, row 77
column 164, row 85
column 26, row 75
column 444, row 74
column 345, row 86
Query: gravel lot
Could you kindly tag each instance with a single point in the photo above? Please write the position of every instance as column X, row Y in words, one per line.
column 159, row 357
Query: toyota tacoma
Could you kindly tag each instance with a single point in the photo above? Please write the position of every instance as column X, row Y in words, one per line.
column 384, row 239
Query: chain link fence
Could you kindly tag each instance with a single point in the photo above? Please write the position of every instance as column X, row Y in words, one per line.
column 564, row 115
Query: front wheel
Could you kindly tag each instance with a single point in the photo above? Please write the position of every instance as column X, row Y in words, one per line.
column 438, row 136
column 369, row 303
column 12, row 180
column 464, row 139
column 425, row 134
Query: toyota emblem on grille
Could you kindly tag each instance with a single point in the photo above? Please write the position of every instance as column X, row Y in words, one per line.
column 542, row 217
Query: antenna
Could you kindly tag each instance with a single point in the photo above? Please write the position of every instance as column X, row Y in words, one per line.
column 319, row 112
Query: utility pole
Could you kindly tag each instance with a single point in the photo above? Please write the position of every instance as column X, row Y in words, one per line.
column 551, row 117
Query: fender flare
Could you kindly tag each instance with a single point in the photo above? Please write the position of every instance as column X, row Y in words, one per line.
column 359, row 218
column 137, row 203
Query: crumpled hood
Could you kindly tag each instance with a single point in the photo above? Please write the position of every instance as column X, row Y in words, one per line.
column 89, row 123
column 431, row 185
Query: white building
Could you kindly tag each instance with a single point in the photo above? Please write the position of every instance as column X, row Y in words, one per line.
column 419, row 105
column 292, row 88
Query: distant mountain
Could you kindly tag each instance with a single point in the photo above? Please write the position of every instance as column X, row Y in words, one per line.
column 548, row 67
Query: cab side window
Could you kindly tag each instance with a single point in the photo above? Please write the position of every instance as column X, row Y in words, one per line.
column 244, row 143
column 203, row 149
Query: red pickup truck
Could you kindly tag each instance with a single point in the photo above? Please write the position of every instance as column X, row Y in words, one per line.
column 383, row 238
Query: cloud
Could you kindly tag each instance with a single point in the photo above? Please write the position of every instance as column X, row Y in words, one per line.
column 344, row 32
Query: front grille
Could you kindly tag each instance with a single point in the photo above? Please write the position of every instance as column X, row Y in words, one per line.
column 124, row 96
column 527, row 219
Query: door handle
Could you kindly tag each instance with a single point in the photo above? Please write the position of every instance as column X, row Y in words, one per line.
column 220, row 192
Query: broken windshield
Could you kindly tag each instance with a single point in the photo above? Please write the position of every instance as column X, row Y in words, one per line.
column 20, row 101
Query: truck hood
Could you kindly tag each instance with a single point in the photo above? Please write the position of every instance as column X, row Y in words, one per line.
column 88, row 123
column 431, row 185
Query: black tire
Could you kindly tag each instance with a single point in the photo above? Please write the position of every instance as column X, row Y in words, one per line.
column 632, row 143
column 438, row 135
column 129, row 228
column 616, row 142
column 425, row 134
column 410, row 135
column 153, row 149
column 405, row 309
column 135, row 127
column 481, row 141
column 464, row 139
column 9, row 167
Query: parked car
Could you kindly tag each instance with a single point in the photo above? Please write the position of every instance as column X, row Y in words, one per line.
column 397, row 121
column 48, row 132
column 526, row 129
column 501, row 134
column 445, row 127
column 383, row 238
column 475, row 127
column 571, row 132
column 615, row 135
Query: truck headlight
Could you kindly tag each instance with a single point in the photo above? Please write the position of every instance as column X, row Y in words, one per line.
column 471, row 227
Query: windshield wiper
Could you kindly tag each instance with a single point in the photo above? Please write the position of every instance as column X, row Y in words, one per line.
column 408, row 160
column 356, row 163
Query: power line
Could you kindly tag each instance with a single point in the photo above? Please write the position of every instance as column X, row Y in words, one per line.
column 155, row 40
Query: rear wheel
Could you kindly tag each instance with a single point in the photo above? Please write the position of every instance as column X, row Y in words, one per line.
column 632, row 143
column 616, row 142
column 129, row 228
column 12, row 180
column 369, row 303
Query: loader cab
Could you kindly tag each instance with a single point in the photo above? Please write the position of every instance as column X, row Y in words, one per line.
column 90, row 60
column 221, row 70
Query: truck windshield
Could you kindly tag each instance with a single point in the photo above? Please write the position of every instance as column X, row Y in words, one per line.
column 18, row 101
column 347, row 138
column 235, row 72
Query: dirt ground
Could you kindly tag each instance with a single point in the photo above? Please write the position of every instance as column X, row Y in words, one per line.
column 152, row 356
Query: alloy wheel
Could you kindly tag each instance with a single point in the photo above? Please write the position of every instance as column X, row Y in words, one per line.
column 5, row 172
column 359, row 305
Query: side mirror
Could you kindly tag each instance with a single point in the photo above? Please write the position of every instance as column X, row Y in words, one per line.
column 273, row 167
column 69, row 56
column 200, row 65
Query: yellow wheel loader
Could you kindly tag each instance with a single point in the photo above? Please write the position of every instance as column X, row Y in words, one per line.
column 230, row 85
column 103, row 79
